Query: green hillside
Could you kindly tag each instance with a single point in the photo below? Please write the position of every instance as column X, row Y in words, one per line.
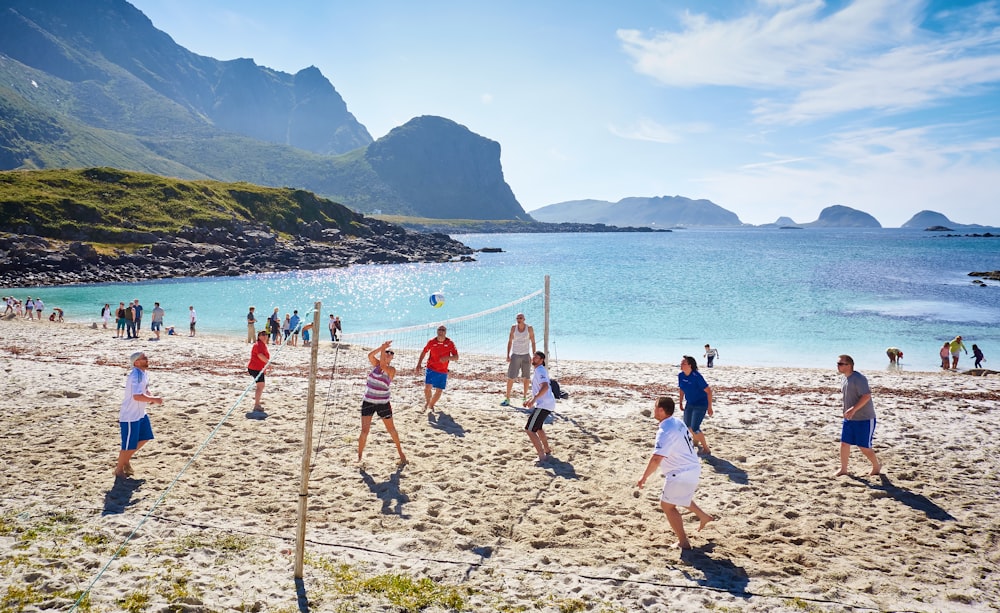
column 110, row 205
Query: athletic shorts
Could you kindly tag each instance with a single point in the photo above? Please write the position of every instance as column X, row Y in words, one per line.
column 191, row 326
column 519, row 362
column 435, row 379
column 155, row 326
column 537, row 419
column 693, row 416
column 678, row 488
column 254, row 373
column 370, row 408
column 134, row 432
column 120, row 322
column 858, row 432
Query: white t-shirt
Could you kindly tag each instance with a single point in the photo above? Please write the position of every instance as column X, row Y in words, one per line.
column 194, row 316
column 673, row 442
column 548, row 401
column 136, row 383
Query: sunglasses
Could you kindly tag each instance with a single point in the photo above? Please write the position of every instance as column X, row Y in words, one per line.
column 841, row 363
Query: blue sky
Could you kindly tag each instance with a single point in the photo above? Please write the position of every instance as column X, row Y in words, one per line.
column 766, row 107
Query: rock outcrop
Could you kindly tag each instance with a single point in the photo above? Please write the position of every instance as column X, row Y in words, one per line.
column 29, row 261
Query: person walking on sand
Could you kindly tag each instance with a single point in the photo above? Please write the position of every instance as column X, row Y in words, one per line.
column 710, row 355
column 193, row 320
column 945, row 353
column 376, row 398
column 542, row 403
column 156, row 323
column 293, row 325
column 251, row 326
column 120, row 321
column 132, row 417
column 674, row 454
column 978, row 354
column 859, row 416
column 259, row 359
column 956, row 345
column 520, row 348
column 698, row 396
column 106, row 314
column 442, row 351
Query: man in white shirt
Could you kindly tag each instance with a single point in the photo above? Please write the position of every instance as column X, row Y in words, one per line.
column 674, row 454
column 132, row 417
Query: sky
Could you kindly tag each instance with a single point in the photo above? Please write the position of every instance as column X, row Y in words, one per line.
column 768, row 108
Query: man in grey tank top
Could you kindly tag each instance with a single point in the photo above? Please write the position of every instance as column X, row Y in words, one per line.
column 520, row 348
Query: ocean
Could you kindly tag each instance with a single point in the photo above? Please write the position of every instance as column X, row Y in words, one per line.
column 762, row 297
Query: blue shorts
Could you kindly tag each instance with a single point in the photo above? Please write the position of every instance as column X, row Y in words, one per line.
column 858, row 433
column 155, row 326
column 134, row 432
column 693, row 416
column 435, row 379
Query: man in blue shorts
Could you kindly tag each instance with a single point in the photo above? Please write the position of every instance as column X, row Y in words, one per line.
column 674, row 454
column 157, row 322
column 442, row 351
column 859, row 416
column 132, row 417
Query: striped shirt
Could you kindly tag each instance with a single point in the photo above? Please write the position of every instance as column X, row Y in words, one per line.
column 377, row 387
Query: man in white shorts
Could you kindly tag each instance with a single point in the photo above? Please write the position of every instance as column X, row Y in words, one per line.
column 675, row 455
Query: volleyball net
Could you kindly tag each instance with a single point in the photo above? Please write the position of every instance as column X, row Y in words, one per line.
column 482, row 334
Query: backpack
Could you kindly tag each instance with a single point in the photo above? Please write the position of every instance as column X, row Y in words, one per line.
column 556, row 391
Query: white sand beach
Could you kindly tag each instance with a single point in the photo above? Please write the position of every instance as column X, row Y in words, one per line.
column 471, row 512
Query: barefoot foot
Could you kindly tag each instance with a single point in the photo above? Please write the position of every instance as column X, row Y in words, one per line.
column 839, row 473
column 705, row 521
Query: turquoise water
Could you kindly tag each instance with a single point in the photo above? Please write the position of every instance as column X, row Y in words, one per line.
column 761, row 296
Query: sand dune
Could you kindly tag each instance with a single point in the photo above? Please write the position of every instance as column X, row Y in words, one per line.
column 470, row 511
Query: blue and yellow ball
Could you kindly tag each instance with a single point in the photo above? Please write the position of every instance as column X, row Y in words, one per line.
column 437, row 300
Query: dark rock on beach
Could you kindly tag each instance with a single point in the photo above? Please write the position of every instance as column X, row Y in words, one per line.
column 30, row 261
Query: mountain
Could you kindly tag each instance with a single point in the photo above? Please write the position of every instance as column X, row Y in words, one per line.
column 781, row 222
column 92, row 83
column 662, row 212
column 929, row 219
column 839, row 216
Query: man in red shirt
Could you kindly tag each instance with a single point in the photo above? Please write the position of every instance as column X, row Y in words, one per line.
column 441, row 351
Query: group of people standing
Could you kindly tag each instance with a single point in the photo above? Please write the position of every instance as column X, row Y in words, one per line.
column 31, row 308
column 128, row 320
column 288, row 330
column 953, row 348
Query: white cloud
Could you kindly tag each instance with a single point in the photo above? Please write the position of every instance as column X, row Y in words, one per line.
column 871, row 54
column 646, row 129
column 486, row 98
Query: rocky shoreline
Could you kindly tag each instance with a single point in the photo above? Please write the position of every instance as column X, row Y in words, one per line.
column 33, row 261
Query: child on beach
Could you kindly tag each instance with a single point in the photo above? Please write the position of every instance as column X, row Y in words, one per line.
column 978, row 354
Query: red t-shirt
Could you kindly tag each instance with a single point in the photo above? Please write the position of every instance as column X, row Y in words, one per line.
column 255, row 362
column 436, row 351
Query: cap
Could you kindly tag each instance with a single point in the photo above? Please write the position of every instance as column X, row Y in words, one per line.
column 135, row 356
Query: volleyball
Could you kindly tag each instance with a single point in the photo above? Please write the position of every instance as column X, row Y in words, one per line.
column 437, row 300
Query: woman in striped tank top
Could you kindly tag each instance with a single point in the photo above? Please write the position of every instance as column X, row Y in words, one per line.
column 376, row 398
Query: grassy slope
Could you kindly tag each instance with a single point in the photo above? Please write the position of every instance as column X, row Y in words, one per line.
column 109, row 205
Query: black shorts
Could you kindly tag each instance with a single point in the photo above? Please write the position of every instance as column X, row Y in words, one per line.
column 369, row 408
column 537, row 419
column 254, row 373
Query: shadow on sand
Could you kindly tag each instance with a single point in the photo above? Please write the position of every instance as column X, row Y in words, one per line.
column 917, row 502
column 119, row 497
column 735, row 473
column 718, row 574
column 445, row 423
column 388, row 492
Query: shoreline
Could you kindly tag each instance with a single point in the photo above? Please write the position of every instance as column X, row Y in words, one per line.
column 470, row 511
